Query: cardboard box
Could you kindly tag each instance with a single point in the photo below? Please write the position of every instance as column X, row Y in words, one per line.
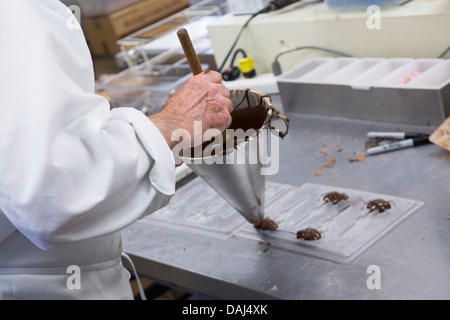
column 91, row 8
column 102, row 32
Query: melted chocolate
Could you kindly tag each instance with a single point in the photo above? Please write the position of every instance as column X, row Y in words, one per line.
column 335, row 197
column 267, row 224
column 252, row 117
column 309, row 234
column 378, row 204
column 244, row 118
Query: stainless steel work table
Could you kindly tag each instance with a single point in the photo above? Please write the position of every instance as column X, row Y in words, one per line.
column 413, row 258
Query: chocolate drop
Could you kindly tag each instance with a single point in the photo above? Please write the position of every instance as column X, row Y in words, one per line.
column 335, row 197
column 309, row 234
column 267, row 224
column 378, row 204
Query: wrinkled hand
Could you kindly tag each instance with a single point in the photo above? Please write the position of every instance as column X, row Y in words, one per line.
column 203, row 98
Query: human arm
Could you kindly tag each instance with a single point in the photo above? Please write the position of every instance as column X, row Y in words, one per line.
column 203, row 98
column 71, row 169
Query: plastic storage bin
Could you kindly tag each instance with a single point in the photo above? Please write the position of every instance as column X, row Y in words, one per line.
column 400, row 90
column 361, row 4
column 146, row 88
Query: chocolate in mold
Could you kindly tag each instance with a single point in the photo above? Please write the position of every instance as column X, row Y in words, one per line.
column 335, row 197
column 378, row 204
column 267, row 224
column 309, row 234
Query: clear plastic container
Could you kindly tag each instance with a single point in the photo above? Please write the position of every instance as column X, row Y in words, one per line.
column 102, row 7
column 150, row 102
column 239, row 7
column 361, row 4
column 145, row 86
column 209, row 214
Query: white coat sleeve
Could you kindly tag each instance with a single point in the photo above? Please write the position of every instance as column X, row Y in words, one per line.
column 70, row 168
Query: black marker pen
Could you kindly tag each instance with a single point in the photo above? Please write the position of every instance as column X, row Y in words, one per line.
column 412, row 142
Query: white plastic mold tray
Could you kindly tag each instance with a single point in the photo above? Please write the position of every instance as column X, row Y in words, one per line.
column 197, row 208
column 347, row 228
column 402, row 90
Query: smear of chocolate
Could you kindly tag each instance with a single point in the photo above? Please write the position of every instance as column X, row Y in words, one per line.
column 309, row 234
column 360, row 158
column 267, row 224
column 378, row 204
column 329, row 164
column 335, row 197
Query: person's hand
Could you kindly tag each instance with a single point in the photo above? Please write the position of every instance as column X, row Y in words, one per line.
column 203, row 98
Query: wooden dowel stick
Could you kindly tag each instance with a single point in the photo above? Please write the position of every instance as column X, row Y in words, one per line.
column 189, row 51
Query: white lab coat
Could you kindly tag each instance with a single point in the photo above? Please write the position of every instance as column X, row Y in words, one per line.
column 72, row 172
